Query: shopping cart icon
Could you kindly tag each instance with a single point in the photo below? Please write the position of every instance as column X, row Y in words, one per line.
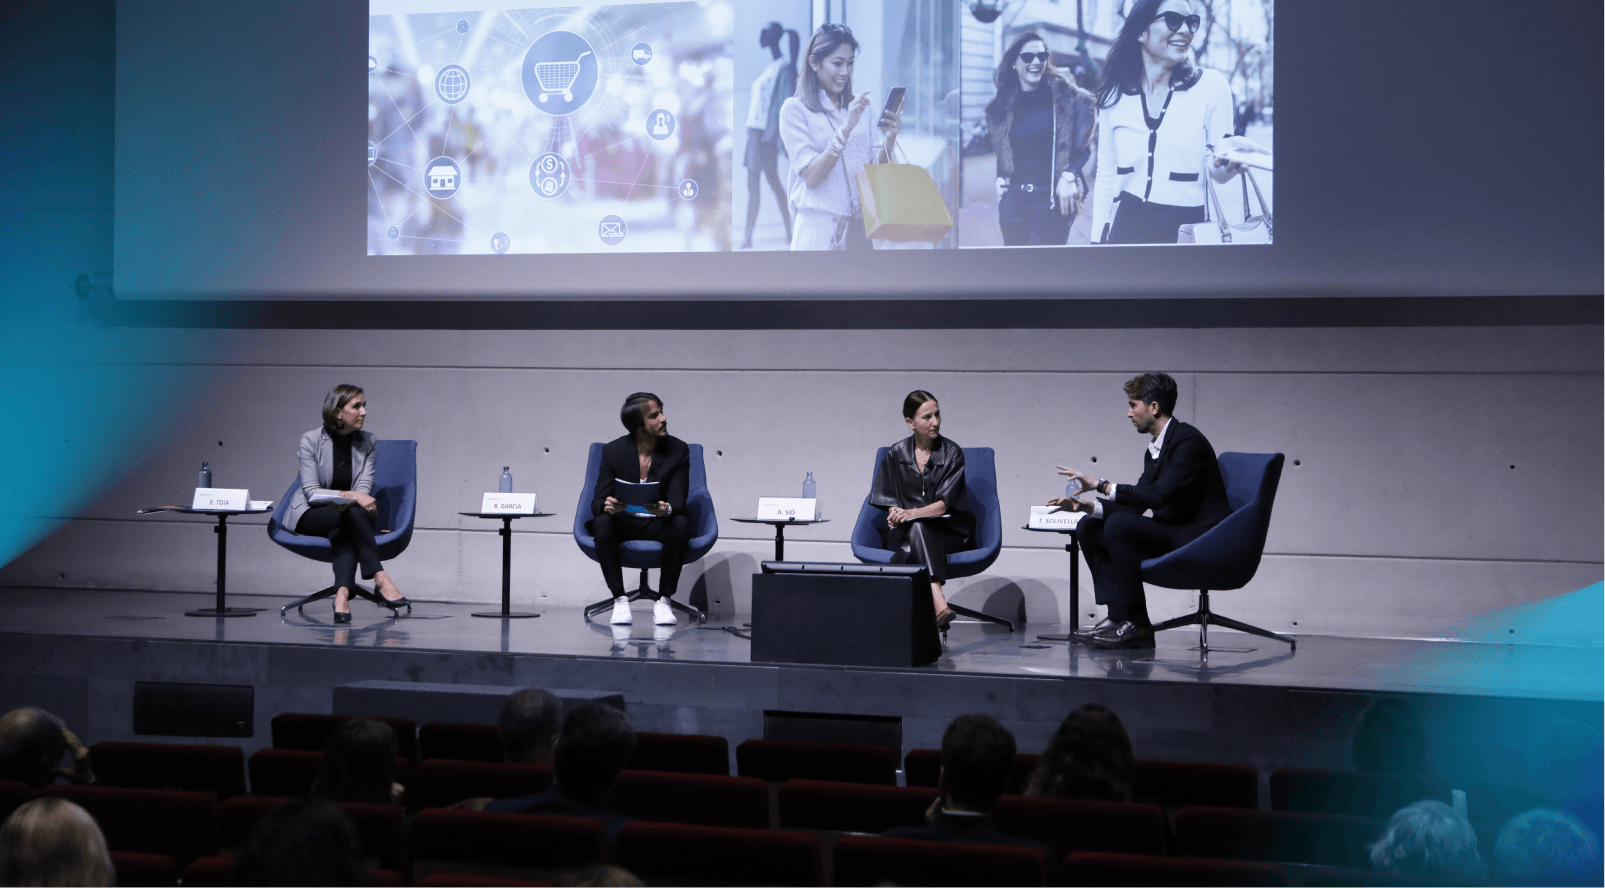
column 558, row 77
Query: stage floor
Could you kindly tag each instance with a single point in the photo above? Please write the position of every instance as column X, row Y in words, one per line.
column 1326, row 663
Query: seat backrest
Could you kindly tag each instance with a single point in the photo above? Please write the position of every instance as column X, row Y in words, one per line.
column 214, row 769
column 781, row 760
column 1175, row 784
column 460, row 741
column 1350, row 792
column 1283, row 836
column 306, row 730
column 698, row 501
column 852, row 807
column 677, row 853
column 283, row 772
column 181, row 825
column 134, row 868
column 706, row 799
column 395, row 487
column 866, row 531
column 509, row 840
column 236, row 816
column 1101, row 868
column 867, row 860
column 1070, row 826
column 582, row 511
column 681, row 753
column 438, row 783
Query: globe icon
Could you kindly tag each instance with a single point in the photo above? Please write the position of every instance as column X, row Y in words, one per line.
column 451, row 84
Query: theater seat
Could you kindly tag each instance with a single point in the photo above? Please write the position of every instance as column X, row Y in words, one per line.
column 923, row 767
column 1283, row 836
column 291, row 772
column 459, row 741
column 1344, row 877
column 852, row 807
column 508, row 845
column 236, row 816
column 706, row 855
column 216, row 769
column 1071, row 826
column 706, row 799
column 463, row 880
column 1096, row 868
column 1351, row 792
column 181, row 825
column 136, row 869
column 866, row 860
column 208, row 872
column 681, row 753
column 12, row 794
column 781, row 760
column 1178, row 784
column 307, row 730
column 440, row 783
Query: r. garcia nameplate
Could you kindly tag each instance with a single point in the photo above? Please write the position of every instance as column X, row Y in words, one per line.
column 1053, row 518
column 508, row 504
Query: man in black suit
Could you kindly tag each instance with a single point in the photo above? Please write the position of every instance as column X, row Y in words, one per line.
column 1182, row 486
column 647, row 453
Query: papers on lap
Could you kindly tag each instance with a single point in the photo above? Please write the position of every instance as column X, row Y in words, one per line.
column 635, row 497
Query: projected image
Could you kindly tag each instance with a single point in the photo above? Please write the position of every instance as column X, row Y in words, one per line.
column 549, row 130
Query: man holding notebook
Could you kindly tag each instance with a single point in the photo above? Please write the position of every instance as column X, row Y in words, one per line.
column 627, row 507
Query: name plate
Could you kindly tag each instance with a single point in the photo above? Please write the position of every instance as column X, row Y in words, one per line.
column 787, row 508
column 218, row 499
column 508, row 504
column 1052, row 518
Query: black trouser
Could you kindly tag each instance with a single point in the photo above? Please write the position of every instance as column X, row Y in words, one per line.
column 755, row 193
column 350, row 530
column 1031, row 219
column 1141, row 222
column 1115, row 546
column 674, row 532
column 922, row 542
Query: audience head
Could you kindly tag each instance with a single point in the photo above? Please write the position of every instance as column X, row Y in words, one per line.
column 1432, row 840
column 333, row 403
column 309, row 842
column 1390, row 739
column 1151, row 388
column 598, row 875
column 636, row 406
column 977, row 758
column 31, row 745
column 592, row 749
column 359, row 763
column 51, row 841
column 1546, row 847
column 528, row 726
column 1089, row 757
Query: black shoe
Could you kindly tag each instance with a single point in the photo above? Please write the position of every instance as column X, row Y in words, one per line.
column 396, row 605
column 342, row 618
column 1083, row 634
column 1122, row 636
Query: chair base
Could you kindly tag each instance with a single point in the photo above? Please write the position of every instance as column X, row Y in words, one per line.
column 329, row 591
column 1202, row 618
column 640, row 592
column 978, row 615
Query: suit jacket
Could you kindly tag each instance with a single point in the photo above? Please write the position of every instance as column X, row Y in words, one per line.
column 671, row 468
column 316, row 457
column 976, row 829
column 1183, row 486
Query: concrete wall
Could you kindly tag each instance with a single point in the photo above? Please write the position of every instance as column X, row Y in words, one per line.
column 1432, row 474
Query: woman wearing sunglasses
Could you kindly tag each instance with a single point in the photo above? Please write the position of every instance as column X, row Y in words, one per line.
column 829, row 144
column 1160, row 116
column 1041, row 126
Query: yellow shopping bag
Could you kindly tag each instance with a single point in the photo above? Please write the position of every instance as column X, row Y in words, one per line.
column 901, row 203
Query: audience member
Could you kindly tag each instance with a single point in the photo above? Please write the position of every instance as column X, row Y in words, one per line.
column 51, row 841
column 977, row 756
column 595, row 743
column 1089, row 757
column 307, row 842
column 528, row 726
column 1547, row 847
column 598, row 875
column 1431, row 840
column 359, row 764
column 1390, row 739
column 31, row 745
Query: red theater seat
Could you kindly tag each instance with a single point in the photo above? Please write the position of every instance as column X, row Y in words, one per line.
column 866, row 860
column 291, row 772
column 181, row 825
column 134, row 868
column 1322, row 839
column 209, row 872
column 1071, row 826
column 681, row 753
column 852, row 807
column 706, row 799
column 304, row 730
column 922, row 767
column 439, row 783
column 12, row 794
column 1178, row 784
column 781, row 760
column 1094, row 868
column 236, row 816
column 514, row 844
column 706, row 855
column 463, row 880
column 215, row 769
column 1345, row 877
column 460, row 741
column 1349, row 792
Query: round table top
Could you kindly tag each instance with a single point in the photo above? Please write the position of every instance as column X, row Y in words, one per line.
column 188, row 511
column 506, row 514
column 781, row 521
column 1070, row 529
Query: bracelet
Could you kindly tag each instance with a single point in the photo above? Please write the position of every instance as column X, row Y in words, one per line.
column 836, row 146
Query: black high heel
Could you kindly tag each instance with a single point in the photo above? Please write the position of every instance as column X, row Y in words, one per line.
column 342, row 618
column 396, row 605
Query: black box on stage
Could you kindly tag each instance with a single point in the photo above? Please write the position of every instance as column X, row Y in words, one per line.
column 178, row 709
column 843, row 614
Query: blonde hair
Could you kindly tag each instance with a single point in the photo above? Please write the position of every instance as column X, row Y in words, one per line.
column 51, row 841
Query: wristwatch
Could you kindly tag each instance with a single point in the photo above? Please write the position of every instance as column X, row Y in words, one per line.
column 1101, row 483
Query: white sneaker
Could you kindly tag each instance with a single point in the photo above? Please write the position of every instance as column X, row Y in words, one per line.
column 621, row 611
column 662, row 614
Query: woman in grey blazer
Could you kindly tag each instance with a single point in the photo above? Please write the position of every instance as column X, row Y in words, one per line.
column 337, row 463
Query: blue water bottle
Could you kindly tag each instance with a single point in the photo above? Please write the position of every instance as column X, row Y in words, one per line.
column 507, row 481
column 205, row 477
column 809, row 490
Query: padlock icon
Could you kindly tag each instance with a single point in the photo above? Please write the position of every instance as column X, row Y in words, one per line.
column 660, row 124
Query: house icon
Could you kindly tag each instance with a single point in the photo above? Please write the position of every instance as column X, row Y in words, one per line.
column 442, row 177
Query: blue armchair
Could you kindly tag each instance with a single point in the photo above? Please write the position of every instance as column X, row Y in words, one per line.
column 981, row 480
column 645, row 554
column 1228, row 554
column 395, row 487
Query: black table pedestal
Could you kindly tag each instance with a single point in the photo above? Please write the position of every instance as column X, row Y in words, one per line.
column 1074, row 548
column 222, row 575
column 507, row 612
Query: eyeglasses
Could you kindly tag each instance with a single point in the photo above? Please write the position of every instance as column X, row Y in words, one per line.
column 1174, row 20
column 1029, row 57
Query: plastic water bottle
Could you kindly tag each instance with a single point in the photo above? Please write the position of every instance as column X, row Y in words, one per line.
column 204, row 479
column 507, row 481
column 1072, row 487
column 809, row 489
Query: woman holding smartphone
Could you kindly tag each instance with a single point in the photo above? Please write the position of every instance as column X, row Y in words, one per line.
column 829, row 143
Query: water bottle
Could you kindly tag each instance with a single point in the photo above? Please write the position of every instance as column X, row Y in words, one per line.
column 1072, row 487
column 205, row 477
column 808, row 486
column 507, row 481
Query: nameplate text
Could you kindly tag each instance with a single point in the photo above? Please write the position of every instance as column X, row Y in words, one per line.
column 1053, row 518
column 508, row 504
column 787, row 508
column 218, row 499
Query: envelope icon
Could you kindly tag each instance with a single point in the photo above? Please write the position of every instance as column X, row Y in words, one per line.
column 612, row 229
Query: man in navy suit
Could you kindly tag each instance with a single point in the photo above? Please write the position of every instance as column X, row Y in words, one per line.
column 1181, row 486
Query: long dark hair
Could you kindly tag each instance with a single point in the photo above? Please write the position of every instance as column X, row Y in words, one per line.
column 769, row 38
column 1089, row 757
column 1122, row 69
column 825, row 41
column 1008, row 81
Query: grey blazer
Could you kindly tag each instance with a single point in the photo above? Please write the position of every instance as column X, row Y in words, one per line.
column 316, row 456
